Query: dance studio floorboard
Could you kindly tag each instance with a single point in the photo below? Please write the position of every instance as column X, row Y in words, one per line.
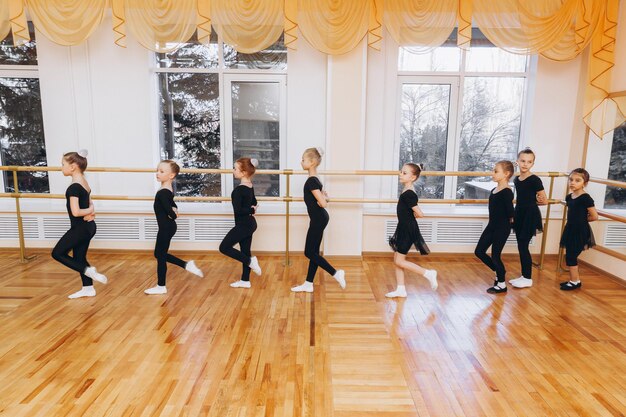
column 206, row 349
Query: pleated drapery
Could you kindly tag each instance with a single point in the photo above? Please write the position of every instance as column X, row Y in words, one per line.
column 556, row 29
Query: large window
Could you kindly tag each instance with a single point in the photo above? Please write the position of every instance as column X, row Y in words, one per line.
column 616, row 197
column 460, row 111
column 21, row 123
column 217, row 105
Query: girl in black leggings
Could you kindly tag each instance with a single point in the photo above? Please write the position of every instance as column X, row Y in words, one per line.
column 244, row 207
column 166, row 212
column 530, row 195
column 577, row 235
column 315, row 202
column 499, row 227
column 82, row 225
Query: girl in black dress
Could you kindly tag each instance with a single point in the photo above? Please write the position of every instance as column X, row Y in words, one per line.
column 244, row 207
column 316, row 201
column 82, row 225
column 530, row 195
column 577, row 235
column 166, row 212
column 499, row 227
column 408, row 233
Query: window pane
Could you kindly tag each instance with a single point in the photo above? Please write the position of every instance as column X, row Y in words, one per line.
column 274, row 57
column 21, row 133
column 192, row 55
column 490, row 129
column 20, row 55
column 493, row 59
column 616, row 197
column 256, row 128
column 190, row 128
column 444, row 58
column 424, row 132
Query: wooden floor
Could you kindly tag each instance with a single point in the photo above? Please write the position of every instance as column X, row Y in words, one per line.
column 208, row 349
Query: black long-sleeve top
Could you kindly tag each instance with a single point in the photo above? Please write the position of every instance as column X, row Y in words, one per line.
column 501, row 207
column 163, row 206
column 243, row 199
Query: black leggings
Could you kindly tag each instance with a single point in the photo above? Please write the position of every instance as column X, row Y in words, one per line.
column 525, row 258
column 571, row 255
column 494, row 236
column 242, row 234
column 77, row 240
column 312, row 248
column 164, row 238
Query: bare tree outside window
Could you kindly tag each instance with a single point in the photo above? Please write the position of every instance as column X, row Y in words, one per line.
column 471, row 134
column 424, row 132
column 615, row 197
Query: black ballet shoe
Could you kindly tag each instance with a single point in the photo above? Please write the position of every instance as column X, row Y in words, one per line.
column 569, row 286
column 495, row 289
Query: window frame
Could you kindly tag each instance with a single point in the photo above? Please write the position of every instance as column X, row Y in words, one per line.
column 18, row 71
column 403, row 77
column 226, row 75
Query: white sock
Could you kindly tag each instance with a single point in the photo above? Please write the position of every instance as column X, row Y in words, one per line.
column 89, row 291
column 191, row 267
column 431, row 276
column 156, row 290
column 254, row 265
column 340, row 277
column 305, row 287
column 91, row 272
column 399, row 292
column 500, row 284
column 240, row 284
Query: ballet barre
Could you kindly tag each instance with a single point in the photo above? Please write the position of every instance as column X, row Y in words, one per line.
column 287, row 199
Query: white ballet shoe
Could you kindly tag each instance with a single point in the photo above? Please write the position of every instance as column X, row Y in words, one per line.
column 431, row 276
column 400, row 292
column 305, row 287
column 156, row 290
column 521, row 282
column 240, row 284
column 254, row 265
column 340, row 277
column 91, row 272
column 84, row 292
column 191, row 267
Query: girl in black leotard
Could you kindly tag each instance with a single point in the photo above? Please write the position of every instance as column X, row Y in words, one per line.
column 316, row 201
column 166, row 212
column 82, row 225
column 577, row 235
column 530, row 195
column 499, row 227
column 244, row 207
column 408, row 233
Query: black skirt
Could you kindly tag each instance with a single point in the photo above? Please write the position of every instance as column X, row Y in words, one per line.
column 406, row 236
column 527, row 222
column 577, row 237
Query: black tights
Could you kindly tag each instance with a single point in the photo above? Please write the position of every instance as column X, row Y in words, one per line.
column 571, row 256
column 242, row 234
column 77, row 240
column 494, row 236
column 312, row 249
column 525, row 258
column 164, row 237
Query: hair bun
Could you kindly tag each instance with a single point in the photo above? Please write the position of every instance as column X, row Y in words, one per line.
column 320, row 150
column 83, row 152
column 254, row 162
